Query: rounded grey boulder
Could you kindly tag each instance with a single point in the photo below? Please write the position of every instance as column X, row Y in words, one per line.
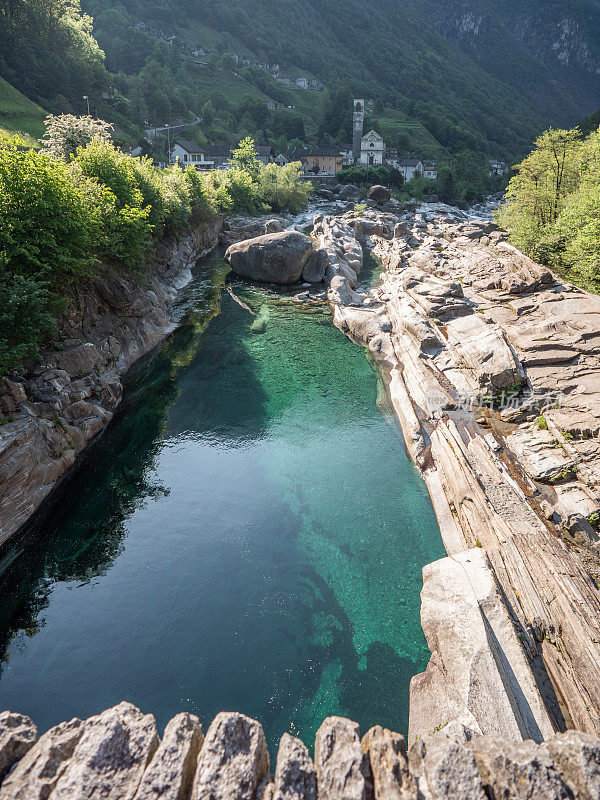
column 350, row 192
column 272, row 258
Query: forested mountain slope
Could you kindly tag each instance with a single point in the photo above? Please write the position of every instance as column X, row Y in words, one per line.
column 480, row 75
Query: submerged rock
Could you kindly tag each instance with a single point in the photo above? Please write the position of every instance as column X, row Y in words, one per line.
column 273, row 258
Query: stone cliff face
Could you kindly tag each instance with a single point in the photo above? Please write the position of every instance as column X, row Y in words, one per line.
column 51, row 413
column 528, row 42
column 117, row 755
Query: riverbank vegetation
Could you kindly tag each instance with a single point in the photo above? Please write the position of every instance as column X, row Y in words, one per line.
column 552, row 205
column 80, row 202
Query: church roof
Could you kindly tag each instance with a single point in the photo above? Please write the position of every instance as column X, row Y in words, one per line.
column 373, row 135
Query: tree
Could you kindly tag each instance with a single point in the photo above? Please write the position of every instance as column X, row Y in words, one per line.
column 65, row 133
column 245, row 157
column 446, row 185
column 545, row 178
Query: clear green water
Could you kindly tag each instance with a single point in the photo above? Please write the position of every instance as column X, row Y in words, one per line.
column 248, row 535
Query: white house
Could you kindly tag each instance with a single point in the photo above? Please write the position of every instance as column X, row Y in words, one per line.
column 430, row 171
column 372, row 149
column 302, row 83
column 190, row 154
column 410, row 167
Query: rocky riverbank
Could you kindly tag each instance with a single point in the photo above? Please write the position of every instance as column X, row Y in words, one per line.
column 492, row 367
column 51, row 413
column 117, row 755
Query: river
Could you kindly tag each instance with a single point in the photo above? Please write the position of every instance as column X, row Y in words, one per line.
column 247, row 535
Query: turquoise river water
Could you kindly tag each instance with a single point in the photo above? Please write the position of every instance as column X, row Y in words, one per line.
column 247, row 535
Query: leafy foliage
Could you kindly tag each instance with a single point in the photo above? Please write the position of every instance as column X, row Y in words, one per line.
column 59, row 218
column 552, row 206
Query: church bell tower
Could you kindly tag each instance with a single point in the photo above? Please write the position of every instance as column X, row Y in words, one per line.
column 358, row 124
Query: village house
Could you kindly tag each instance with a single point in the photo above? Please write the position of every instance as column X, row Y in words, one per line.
column 220, row 156
column 282, row 160
column 497, row 168
column 430, row 170
column 190, row 154
column 372, row 149
column 347, row 155
column 266, row 153
column 409, row 167
column 323, row 160
column 391, row 157
column 302, row 83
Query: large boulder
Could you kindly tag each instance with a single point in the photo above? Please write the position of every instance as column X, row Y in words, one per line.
column 343, row 770
column 519, row 770
column 272, row 258
column 274, row 226
column 389, row 764
column 379, row 194
column 350, row 192
column 577, row 757
column 324, row 194
column 295, row 776
column 446, row 769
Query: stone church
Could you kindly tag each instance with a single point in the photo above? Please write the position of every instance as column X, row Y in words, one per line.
column 372, row 150
column 368, row 149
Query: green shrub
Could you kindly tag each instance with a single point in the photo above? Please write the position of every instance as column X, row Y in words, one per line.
column 109, row 166
column 47, row 229
column 282, row 189
column 176, row 198
column 201, row 205
column 126, row 228
column 66, row 133
column 27, row 315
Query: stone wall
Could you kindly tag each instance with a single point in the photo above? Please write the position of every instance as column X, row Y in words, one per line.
column 117, row 755
column 53, row 410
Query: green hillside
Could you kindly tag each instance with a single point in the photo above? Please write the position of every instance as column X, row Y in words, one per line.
column 19, row 115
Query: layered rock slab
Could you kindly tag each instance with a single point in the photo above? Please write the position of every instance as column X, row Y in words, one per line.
column 233, row 761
